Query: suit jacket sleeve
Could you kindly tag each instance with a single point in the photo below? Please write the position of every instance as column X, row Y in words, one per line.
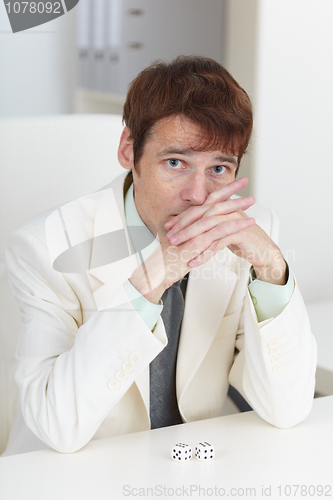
column 275, row 364
column 67, row 369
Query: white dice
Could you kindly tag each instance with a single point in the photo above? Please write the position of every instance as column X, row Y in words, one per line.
column 204, row 451
column 181, row 452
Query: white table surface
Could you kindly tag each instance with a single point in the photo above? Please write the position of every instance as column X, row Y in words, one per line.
column 249, row 454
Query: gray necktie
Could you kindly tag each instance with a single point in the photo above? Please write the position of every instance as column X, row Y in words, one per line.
column 163, row 401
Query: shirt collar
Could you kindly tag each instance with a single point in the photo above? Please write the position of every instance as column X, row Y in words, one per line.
column 133, row 219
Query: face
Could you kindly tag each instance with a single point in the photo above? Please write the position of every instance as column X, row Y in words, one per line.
column 171, row 176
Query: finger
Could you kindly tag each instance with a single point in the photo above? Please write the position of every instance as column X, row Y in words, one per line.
column 222, row 230
column 206, row 224
column 232, row 233
column 190, row 226
column 229, row 206
column 193, row 213
column 213, row 249
column 226, row 191
column 187, row 217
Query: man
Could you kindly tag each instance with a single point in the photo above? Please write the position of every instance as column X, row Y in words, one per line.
column 106, row 345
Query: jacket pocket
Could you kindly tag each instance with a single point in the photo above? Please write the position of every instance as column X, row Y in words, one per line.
column 229, row 324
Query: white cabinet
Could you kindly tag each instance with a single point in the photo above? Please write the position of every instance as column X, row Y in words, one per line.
column 122, row 37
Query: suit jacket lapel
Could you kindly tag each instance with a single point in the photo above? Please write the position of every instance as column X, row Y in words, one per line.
column 112, row 275
column 207, row 296
column 110, row 218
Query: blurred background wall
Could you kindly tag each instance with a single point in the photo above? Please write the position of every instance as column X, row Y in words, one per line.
column 37, row 67
column 280, row 52
column 292, row 167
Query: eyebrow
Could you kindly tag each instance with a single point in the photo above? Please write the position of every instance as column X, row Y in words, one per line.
column 191, row 152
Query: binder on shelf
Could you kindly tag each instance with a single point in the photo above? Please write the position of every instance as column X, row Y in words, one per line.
column 114, row 43
column 98, row 42
column 83, row 41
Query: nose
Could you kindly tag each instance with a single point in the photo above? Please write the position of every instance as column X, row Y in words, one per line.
column 195, row 189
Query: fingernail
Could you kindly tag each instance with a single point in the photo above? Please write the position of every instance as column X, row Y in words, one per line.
column 173, row 238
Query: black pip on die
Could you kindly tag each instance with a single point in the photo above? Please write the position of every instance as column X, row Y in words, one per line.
column 204, row 452
column 181, row 452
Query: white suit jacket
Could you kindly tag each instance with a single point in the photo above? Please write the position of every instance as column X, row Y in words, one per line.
column 79, row 329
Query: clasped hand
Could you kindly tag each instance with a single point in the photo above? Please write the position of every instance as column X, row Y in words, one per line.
column 221, row 222
column 199, row 232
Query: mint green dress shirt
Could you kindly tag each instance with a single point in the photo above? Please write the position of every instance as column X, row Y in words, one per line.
column 268, row 300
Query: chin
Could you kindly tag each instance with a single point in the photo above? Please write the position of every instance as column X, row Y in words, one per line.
column 161, row 232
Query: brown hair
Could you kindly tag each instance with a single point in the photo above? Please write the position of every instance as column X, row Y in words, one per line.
column 197, row 88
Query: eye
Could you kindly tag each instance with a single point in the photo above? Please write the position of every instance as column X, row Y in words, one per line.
column 173, row 162
column 219, row 169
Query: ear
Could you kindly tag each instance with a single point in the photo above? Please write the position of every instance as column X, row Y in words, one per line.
column 125, row 150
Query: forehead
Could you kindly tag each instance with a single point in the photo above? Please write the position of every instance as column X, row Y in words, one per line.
column 175, row 129
column 178, row 135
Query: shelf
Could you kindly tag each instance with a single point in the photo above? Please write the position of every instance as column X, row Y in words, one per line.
column 91, row 101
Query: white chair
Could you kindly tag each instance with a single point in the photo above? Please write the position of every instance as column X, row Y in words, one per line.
column 321, row 319
column 44, row 161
